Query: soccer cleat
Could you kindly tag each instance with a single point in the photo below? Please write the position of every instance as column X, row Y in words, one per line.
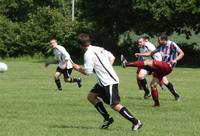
column 146, row 96
column 79, row 82
column 178, row 98
column 107, row 123
column 59, row 89
column 137, row 126
column 123, row 61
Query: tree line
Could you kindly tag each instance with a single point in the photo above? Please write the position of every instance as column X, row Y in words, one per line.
column 26, row 25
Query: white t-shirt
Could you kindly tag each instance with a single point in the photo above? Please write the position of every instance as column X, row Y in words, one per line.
column 96, row 60
column 149, row 47
column 62, row 55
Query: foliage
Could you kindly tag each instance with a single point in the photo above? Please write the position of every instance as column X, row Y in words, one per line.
column 26, row 25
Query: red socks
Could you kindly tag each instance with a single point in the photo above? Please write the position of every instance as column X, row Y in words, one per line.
column 135, row 64
column 155, row 96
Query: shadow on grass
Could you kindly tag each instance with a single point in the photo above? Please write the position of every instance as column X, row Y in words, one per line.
column 73, row 127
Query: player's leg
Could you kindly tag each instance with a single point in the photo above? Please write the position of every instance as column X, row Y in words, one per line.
column 112, row 96
column 68, row 78
column 136, row 124
column 138, row 81
column 154, row 91
column 57, row 80
column 141, row 76
column 92, row 97
column 137, row 63
column 171, row 88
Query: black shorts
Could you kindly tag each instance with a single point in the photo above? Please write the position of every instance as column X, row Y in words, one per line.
column 109, row 94
column 66, row 72
column 148, row 69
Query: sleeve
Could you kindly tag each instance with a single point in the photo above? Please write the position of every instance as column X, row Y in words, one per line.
column 109, row 55
column 150, row 47
column 175, row 47
column 88, row 64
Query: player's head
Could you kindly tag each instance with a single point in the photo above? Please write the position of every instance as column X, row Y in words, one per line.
column 84, row 39
column 53, row 42
column 162, row 38
column 141, row 41
column 146, row 38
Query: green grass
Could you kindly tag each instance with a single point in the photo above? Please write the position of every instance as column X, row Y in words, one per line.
column 30, row 105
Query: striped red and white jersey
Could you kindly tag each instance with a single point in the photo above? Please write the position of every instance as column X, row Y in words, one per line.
column 168, row 51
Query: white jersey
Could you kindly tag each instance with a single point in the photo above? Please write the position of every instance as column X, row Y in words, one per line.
column 149, row 47
column 62, row 55
column 96, row 59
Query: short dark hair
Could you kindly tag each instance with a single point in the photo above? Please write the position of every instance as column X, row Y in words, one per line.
column 163, row 36
column 53, row 37
column 146, row 37
column 84, row 39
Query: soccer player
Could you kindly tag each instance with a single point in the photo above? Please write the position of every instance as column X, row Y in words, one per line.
column 146, row 46
column 99, row 61
column 171, row 53
column 64, row 61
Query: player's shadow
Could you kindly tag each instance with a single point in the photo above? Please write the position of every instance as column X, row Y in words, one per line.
column 72, row 126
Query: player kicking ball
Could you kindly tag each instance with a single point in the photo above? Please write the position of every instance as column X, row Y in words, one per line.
column 62, row 58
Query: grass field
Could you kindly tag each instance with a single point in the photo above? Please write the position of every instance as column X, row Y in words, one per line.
column 31, row 106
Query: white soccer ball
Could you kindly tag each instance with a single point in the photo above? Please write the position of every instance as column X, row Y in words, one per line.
column 3, row 67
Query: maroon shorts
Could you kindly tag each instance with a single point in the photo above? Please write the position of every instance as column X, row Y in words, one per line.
column 161, row 69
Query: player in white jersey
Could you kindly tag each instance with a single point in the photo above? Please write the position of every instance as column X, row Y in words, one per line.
column 99, row 61
column 146, row 46
column 64, row 61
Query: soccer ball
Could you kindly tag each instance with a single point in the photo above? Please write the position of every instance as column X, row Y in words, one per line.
column 3, row 67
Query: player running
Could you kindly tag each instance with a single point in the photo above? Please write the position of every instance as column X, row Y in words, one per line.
column 96, row 61
column 171, row 53
column 62, row 58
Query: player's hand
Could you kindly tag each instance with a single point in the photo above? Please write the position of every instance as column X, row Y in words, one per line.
column 173, row 62
column 76, row 66
column 137, row 54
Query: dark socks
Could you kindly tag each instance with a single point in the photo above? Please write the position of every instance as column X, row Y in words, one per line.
column 72, row 80
column 172, row 89
column 144, row 85
column 58, row 84
column 126, row 114
column 101, row 109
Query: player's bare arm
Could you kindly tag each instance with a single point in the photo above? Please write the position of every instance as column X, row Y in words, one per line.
column 179, row 57
column 79, row 69
column 50, row 62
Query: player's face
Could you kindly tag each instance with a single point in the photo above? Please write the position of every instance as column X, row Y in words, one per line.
column 161, row 41
column 141, row 42
column 53, row 43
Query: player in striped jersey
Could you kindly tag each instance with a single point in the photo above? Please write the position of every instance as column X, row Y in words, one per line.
column 99, row 61
column 171, row 53
column 64, row 61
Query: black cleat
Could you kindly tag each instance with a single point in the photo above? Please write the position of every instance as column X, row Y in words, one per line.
column 107, row 123
column 177, row 98
column 79, row 82
column 59, row 89
column 137, row 126
column 123, row 61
